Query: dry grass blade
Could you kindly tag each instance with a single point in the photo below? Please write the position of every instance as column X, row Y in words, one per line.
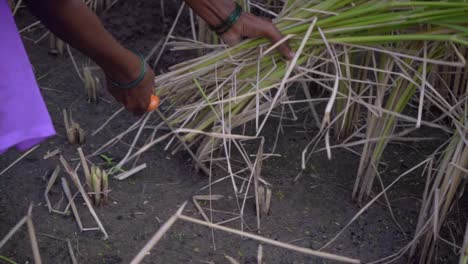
column 169, row 34
column 42, row 37
column 32, row 237
column 157, row 236
column 289, row 71
column 50, row 183
column 464, row 251
column 107, row 121
column 213, row 134
column 303, row 250
column 260, row 254
column 423, row 87
column 264, row 201
column 387, row 201
column 75, row 133
column 200, row 164
column 96, row 184
column 458, row 167
column 84, row 163
column 74, row 64
column 105, row 187
column 13, row 231
column 439, row 196
column 91, row 84
column 231, row 260
column 78, row 185
column 125, row 175
column 364, row 208
column 29, row 26
column 70, row 251
column 274, row 46
column 66, row 190
column 212, row 197
column 200, row 210
column 18, row 160
column 51, row 154
column 260, row 199
column 55, row 45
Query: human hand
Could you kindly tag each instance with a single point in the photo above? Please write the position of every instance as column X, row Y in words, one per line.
column 251, row 26
column 138, row 99
column 248, row 25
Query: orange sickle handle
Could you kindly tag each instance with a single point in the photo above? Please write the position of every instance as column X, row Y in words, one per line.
column 154, row 103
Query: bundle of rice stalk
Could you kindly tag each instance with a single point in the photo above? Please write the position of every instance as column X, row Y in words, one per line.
column 227, row 89
column 403, row 79
column 441, row 85
column 453, row 78
column 443, row 187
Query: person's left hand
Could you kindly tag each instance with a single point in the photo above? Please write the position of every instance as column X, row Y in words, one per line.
column 138, row 99
column 251, row 26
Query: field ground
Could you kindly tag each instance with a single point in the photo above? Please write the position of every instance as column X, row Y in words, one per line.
column 308, row 212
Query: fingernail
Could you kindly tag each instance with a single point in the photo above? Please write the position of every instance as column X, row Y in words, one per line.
column 154, row 103
column 291, row 55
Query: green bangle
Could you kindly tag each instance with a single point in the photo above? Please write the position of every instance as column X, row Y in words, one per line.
column 135, row 82
column 227, row 24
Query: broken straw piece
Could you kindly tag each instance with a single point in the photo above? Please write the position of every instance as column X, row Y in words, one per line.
column 51, row 183
column 67, row 192
column 213, row 197
column 231, row 260
column 129, row 173
column 78, row 185
column 49, row 155
column 32, row 237
column 13, row 231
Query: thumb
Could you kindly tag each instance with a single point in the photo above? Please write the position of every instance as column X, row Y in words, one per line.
column 231, row 39
column 254, row 26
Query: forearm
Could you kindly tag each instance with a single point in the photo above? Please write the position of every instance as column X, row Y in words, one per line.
column 213, row 12
column 76, row 24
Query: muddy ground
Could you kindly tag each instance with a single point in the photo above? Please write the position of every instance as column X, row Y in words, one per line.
column 308, row 212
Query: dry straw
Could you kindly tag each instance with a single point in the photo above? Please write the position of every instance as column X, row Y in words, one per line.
column 380, row 66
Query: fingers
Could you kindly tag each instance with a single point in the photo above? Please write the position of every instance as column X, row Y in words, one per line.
column 253, row 27
column 139, row 99
column 272, row 33
column 133, row 101
column 231, row 39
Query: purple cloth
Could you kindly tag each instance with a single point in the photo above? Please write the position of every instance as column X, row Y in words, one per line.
column 24, row 120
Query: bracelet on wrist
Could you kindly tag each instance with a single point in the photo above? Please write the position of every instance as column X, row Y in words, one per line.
column 135, row 82
column 229, row 22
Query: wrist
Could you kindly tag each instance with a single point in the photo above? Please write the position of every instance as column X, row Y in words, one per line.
column 222, row 10
column 213, row 12
column 229, row 21
column 231, row 25
column 125, row 68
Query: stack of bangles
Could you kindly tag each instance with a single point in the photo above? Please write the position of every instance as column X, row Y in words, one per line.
column 154, row 100
column 229, row 22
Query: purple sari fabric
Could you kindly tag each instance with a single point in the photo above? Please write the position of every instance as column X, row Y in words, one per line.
column 24, row 120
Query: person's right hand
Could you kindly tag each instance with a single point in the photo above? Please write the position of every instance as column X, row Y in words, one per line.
column 251, row 26
column 138, row 98
column 248, row 25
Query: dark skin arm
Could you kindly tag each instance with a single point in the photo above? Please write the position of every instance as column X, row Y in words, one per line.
column 214, row 12
column 76, row 24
